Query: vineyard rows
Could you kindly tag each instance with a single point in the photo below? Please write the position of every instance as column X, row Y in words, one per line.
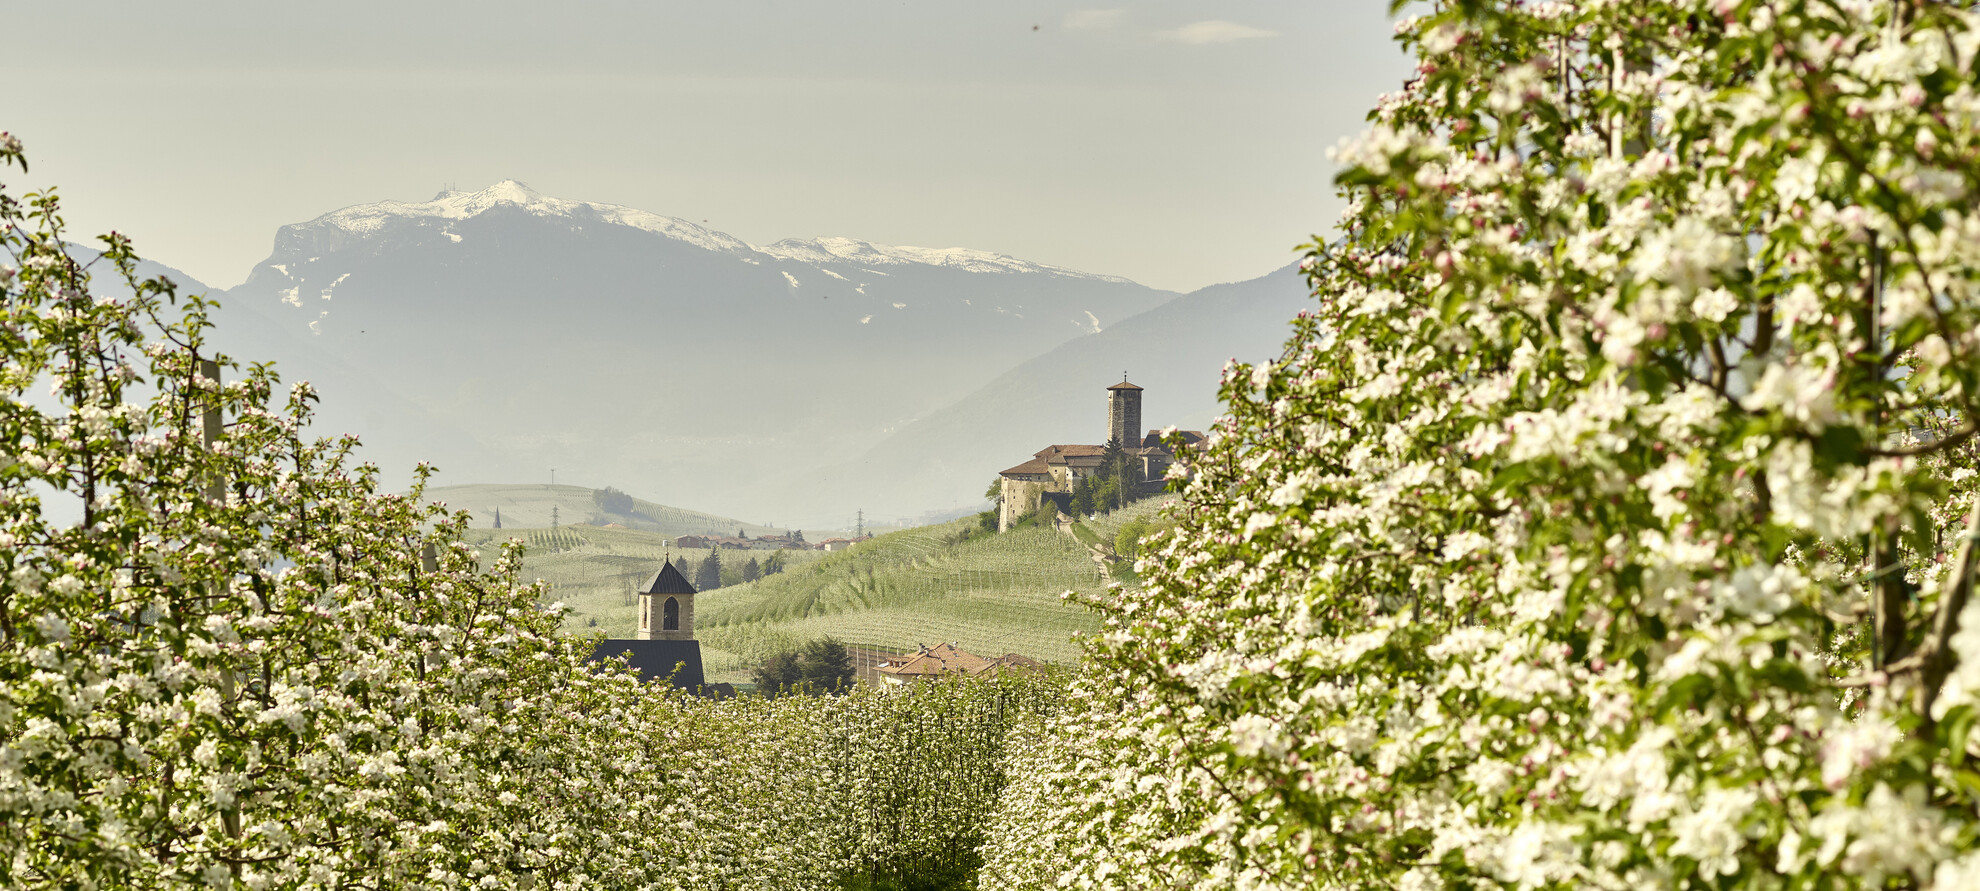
column 595, row 571
column 989, row 593
column 947, row 582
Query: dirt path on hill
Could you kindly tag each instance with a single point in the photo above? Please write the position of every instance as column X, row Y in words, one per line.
column 1100, row 558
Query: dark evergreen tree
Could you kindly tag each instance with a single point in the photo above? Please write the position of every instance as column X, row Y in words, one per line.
column 751, row 571
column 826, row 665
column 776, row 673
column 1107, row 494
column 710, row 576
column 819, row 666
column 1082, row 498
column 1123, row 470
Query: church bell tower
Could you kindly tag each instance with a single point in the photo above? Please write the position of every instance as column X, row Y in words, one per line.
column 666, row 606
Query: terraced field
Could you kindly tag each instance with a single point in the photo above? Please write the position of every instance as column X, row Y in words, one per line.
column 1147, row 510
column 989, row 593
column 595, row 571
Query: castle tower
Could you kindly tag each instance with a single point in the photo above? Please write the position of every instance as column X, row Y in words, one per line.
column 1124, row 414
column 666, row 606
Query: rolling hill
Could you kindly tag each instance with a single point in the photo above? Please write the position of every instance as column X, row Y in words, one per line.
column 595, row 571
column 528, row 505
column 950, row 582
column 989, row 593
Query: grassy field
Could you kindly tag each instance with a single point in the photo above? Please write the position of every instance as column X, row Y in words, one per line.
column 595, row 571
column 1107, row 525
column 1100, row 532
column 992, row 594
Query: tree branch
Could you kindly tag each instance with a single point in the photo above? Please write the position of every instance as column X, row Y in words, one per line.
column 1936, row 653
column 1950, row 440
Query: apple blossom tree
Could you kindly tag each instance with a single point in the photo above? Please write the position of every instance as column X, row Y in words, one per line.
column 228, row 659
column 1609, row 522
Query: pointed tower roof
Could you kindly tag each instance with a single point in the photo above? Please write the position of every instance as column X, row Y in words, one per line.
column 1123, row 385
column 667, row 581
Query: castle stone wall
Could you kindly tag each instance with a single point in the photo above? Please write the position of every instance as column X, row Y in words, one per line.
column 1020, row 497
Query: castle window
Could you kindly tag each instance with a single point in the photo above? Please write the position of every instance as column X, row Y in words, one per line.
column 671, row 615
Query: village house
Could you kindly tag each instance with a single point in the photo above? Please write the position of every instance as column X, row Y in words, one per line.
column 792, row 541
column 788, row 541
column 742, row 542
column 950, row 660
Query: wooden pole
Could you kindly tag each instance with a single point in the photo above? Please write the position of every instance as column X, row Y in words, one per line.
column 211, row 427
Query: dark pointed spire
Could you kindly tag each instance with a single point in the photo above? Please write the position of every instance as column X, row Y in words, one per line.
column 668, row 580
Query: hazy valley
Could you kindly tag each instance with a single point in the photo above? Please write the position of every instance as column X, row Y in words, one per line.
column 500, row 334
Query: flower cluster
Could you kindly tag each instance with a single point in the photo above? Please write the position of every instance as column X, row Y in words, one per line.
column 1609, row 522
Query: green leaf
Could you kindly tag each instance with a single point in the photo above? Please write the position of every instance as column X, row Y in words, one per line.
column 1682, row 693
column 1840, row 444
column 1785, row 675
column 1958, row 724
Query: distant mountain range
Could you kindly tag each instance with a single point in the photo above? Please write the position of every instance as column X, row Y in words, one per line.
column 502, row 333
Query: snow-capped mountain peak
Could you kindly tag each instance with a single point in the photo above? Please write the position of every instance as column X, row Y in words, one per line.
column 365, row 219
column 823, row 251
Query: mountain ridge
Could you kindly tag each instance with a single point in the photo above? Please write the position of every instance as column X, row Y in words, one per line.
column 550, row 333
column 363, row 220
column 497, row 343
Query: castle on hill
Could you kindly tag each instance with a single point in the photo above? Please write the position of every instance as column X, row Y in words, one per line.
column 1053, row 471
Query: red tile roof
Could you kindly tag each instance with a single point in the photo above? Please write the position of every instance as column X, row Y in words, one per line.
column 937, row 660
column 1033, row 466
column 1068, row 451
column 1012, row 663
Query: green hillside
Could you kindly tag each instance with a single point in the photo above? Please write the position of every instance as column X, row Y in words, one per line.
column 595, row 572
column 527, row 506
column 992, row 594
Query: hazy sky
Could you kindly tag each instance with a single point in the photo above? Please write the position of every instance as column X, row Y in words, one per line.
column 1178, row 144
